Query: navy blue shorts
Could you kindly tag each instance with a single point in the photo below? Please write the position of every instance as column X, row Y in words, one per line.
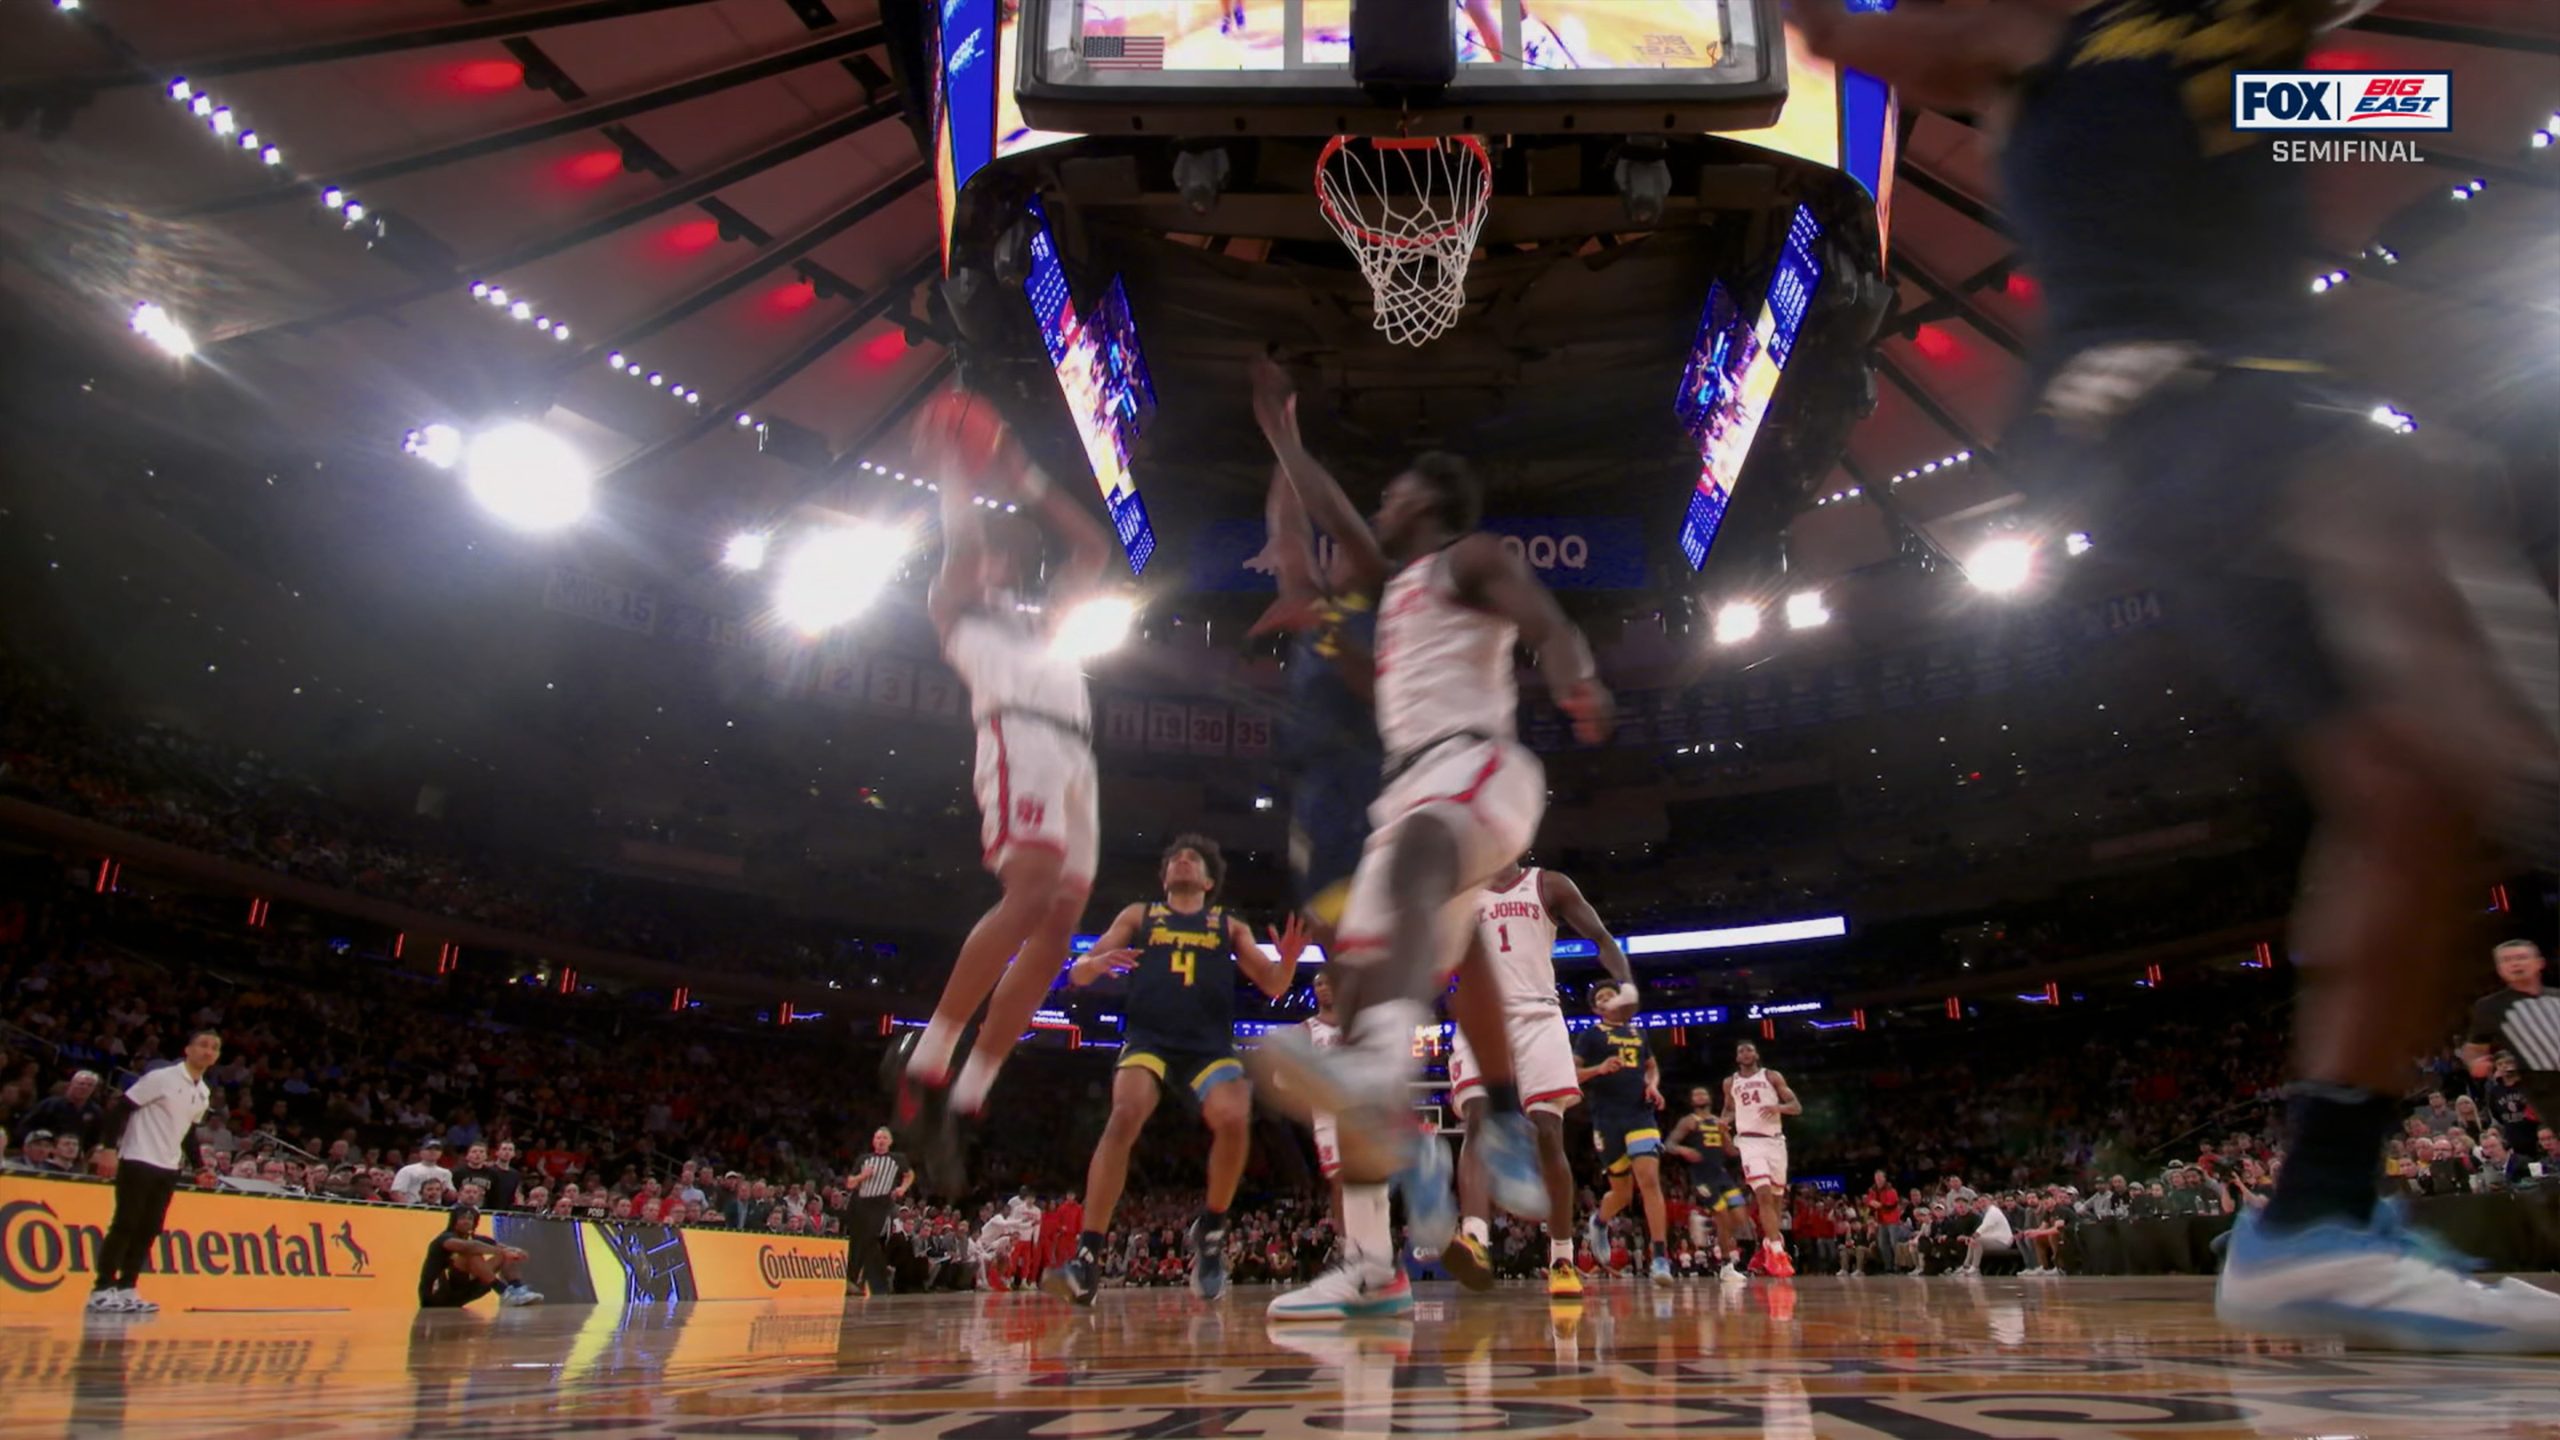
column 2188, row 491
column 1328, row 827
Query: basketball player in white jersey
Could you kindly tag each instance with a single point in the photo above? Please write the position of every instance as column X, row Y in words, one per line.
column 1324, row 1031
column 1756, row 1104
column 1461, row 800
column 1037, row 799
column 1516, row 919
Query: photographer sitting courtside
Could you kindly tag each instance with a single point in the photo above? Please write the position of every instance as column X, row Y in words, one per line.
column 461, row 1267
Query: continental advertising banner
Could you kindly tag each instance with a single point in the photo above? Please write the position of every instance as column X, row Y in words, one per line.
column 218, row 1252
column 254, row 1252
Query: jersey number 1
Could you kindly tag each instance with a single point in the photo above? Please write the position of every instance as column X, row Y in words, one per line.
column 1505, row 932
column 1183, row 965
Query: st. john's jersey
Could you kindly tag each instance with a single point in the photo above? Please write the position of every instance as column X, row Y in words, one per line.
column 1519, row 937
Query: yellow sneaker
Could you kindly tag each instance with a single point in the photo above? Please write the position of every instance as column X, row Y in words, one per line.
column 1563, row 1281
column 1467, row 1263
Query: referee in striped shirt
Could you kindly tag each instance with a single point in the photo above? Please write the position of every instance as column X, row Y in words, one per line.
column 879, row 1183
column 2522, row 1020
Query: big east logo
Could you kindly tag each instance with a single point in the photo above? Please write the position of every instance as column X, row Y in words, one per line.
column 2355, row 100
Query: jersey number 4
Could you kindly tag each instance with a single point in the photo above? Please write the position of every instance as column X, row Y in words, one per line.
column 1184, row 965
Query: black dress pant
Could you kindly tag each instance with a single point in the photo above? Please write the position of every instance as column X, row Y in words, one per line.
column 142, row 1207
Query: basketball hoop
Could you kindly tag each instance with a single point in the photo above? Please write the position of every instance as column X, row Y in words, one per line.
column 1409, row 210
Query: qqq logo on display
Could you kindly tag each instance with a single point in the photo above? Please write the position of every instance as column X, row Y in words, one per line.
column 2351, row 100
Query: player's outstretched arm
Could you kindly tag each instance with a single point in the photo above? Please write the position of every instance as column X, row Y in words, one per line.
column 1491, row 578
column 1565, row 901
column 1271, row 974
column 1289, row 554
column 1788, row 1104
column 1724, row 1105
column 957, row 587
column 1110, row 954
column 1275, row 409
column 1089, row 546
column 1955, row 59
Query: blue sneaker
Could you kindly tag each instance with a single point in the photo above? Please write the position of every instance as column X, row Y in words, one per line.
column 1208, row 1258
column 1430, row 1205
column 1073, row 1282
column 1508, row 1146
column 2379, row 1286
column 1662, row 1270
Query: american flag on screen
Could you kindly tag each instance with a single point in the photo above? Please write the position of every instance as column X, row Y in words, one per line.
column 1124, row 52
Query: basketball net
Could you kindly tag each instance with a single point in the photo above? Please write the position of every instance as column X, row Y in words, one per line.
column 1408, row 210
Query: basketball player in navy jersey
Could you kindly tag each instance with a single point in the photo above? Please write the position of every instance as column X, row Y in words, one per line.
column 1037, row 793
column 1701, row 1138
column 2183, row 415
column 1179, row 1019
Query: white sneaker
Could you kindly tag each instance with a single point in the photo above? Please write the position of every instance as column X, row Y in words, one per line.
column 107, row 1302
column 2382, row 1286
column 1732, row 1274
column 521, row 1295
column 1353, row 1290
column 134, row 1304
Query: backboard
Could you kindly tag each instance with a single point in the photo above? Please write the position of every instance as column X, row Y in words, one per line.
column 1283, row 67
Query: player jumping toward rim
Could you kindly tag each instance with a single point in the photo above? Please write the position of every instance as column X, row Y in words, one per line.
column 1516, row 919
column 1037, row 797
column 1461, row 800
column 2184, row 416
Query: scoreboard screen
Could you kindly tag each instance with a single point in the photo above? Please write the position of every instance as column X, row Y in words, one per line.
column 1733, row 371
column 1102, row 371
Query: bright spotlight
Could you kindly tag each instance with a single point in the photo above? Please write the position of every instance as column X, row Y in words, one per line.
column 1805, row 610
column 2077, row 544
column 162, row 329
column 221, row 121
column 438, row 445
column 1736, row 621
column 1095, row 627
column 834, row 575
column 2002, row 566
column 527, row 476
column 745, row 550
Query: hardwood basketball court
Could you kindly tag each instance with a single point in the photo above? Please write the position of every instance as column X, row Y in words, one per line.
column 1940, row 1359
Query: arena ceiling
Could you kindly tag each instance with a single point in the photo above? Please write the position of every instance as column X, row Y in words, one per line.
column 733, row 194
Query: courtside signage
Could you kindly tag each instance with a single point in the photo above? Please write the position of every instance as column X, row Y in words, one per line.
column 2346, row 101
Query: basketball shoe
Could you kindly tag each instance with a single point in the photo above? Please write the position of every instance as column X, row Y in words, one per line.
column 1209, row 1257
column 1467, row 1263
column 1508, row 1147
column 2380, row 1286
column 1563, row 1281
column 1356, row 1289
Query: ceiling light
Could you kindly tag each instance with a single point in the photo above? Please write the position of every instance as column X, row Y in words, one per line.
column 1736, row 621
column 438, row 445
column 527, row 476
column 834, row 575
column 354, row 211
column 559, row 332
column 222, row 121
column 1096, row 627
column 162, row 329
column 203, row 105
column 179, row 89
column 745, row 550
column 248, row 139
column 497, row 295
column 1805, row 610
column 271, row 156
column 2002, row 566
column 656, row 378
column 745, row 419
column 2077, row 544
column 333, row 197
column 522, row 310
column 614, row 359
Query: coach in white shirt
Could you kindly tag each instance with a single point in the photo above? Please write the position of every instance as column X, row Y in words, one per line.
column 414, row 1176
column 166, row 1104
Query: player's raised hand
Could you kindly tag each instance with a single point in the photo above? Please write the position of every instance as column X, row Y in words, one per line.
column 1593, row 708
column 1275, row 396
column 1103, row 962
column 1291, row 939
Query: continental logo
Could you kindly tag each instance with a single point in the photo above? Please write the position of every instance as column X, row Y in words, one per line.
column 38, row 1252
column 780, row 1267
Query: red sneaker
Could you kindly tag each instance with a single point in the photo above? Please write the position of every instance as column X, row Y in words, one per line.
column 1759, row 1262
column 1779, row 1266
